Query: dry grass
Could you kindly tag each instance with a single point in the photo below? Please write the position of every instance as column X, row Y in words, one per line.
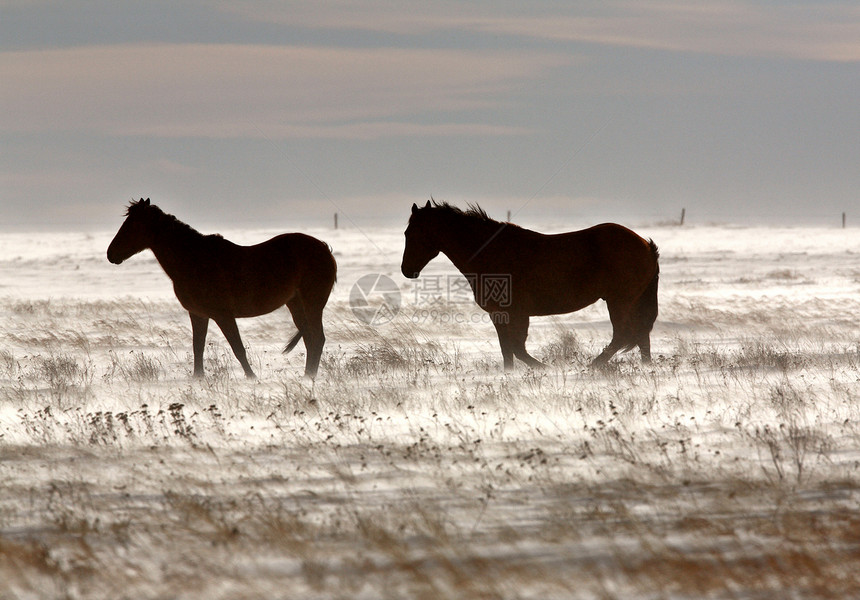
column 414, row 468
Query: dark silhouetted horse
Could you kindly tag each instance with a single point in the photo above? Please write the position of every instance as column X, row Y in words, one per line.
column 216, row 279
column 516, row 273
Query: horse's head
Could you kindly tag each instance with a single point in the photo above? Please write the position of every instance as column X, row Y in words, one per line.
column 421, row 246
column 134, row 234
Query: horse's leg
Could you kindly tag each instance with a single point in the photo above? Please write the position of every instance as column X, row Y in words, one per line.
column 309, row 323
column 608, row 352
column 297, row 310
column 199, row 327
column 519, row 331
column 503, row 331
column 314, row 339
column 645, row 347
column 231, row 332
column 619, row 316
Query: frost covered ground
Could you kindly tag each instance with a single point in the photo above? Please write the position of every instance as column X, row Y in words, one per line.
column 413, row 467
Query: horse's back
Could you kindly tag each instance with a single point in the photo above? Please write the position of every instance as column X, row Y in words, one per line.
column 620, row 258
column 606, row 244
column 604, row 234
column 246, row 281
column 564, row 272
column 299, row 251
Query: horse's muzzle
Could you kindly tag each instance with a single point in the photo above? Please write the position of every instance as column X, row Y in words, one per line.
column 408, row 274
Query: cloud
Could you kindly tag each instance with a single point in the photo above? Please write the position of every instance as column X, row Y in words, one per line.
column 230, row 91
column 819, row 33
column 816, row 31
column 376, row 16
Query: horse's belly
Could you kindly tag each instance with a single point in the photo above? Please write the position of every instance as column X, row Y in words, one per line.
column 256, row 309
column 540, row 307
column 240, row 302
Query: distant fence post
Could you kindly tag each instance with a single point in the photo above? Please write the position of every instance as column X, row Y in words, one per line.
column 683, row 215
column 843, row 220
column 335, row 220
column 509, row 216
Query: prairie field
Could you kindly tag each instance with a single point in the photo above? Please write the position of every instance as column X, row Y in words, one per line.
column 413, row 466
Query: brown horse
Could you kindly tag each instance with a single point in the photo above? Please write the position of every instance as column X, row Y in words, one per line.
column 216, row 279
column 516, row 273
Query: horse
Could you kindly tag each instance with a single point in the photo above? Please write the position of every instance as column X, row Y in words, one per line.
column 516, row 273
column 216, row 279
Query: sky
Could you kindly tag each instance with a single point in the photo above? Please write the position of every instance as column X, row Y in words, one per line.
column 279, row 113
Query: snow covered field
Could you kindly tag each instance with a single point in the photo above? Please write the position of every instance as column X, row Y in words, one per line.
column 413, row 467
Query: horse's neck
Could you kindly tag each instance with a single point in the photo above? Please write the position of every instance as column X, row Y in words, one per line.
column 172, row 249
column 462, row 243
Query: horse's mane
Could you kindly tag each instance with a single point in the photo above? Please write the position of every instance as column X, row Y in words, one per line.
column 472, row 212
column 168, row 221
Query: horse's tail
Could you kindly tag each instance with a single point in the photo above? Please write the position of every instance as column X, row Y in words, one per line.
column 293, row 341
column 645, row 312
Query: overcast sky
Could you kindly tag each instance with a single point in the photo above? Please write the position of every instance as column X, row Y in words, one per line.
column 267, row 112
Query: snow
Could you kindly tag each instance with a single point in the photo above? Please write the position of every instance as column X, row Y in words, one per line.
column 413, row 466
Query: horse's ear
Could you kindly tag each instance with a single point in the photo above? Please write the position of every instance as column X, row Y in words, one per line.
column 427, row 205
column 147, row 202
column 414, row 208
